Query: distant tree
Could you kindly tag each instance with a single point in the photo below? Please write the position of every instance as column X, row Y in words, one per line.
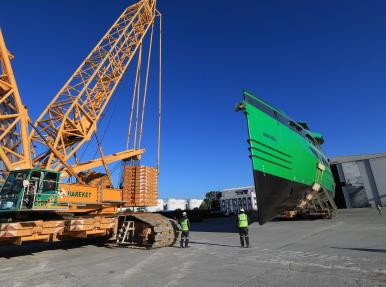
column 204, row 205
column 211, row 201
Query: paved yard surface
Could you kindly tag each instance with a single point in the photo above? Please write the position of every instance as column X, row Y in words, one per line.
column 349, row 250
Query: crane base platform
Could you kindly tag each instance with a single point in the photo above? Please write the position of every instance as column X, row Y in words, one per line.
column 148, row 230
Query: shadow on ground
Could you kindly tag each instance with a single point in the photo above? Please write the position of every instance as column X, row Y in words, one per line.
column 214, row 244
column 362, row 249
column 9, row 251
column 227, row 224
column 223, row 224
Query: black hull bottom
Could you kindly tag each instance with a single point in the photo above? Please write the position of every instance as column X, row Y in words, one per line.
column 275, row 195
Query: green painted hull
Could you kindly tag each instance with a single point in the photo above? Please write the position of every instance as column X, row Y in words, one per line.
column 285, row 158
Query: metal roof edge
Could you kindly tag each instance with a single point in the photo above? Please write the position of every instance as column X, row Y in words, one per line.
column 350, row 158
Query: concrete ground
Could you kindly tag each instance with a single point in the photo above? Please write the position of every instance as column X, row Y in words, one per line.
column 349, row 250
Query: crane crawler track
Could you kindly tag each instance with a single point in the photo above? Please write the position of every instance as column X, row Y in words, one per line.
column 150, row 230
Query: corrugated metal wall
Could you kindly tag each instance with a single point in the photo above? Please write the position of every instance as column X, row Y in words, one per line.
column 363, row 181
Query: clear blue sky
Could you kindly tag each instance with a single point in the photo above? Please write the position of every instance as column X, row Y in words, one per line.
column 323, row 62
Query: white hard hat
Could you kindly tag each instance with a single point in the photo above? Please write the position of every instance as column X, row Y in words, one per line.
column 242, row 210
column 184, row 213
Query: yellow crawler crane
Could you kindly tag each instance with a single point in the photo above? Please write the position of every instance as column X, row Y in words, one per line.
column 35, row 203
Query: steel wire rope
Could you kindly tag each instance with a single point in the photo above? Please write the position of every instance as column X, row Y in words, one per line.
column 137, row 104
column 133, row 102
column 101, row 121
column 99, row 141
column 102, row 118
column 106, row 127
column 146, row 84
column 159, row 93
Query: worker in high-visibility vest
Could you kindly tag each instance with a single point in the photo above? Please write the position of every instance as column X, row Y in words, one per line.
column 185, row 227
column 243, row 228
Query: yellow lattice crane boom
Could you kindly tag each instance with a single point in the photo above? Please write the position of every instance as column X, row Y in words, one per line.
column 14, row 142
column 70, row 119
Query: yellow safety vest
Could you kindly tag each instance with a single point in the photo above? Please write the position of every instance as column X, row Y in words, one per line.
column 184, row 224
column 243, row 220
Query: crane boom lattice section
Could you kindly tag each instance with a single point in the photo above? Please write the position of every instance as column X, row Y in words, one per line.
column 70, row 119
column 14, row 145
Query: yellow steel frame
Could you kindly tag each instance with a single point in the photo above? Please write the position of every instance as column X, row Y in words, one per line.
column 14, row 143
column 70, row 119
column 106, row 159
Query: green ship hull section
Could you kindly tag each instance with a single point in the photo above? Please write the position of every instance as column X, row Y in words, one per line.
column 284, row 157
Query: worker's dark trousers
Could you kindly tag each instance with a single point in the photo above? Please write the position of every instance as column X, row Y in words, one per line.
column 184, row 239
column 243, row 231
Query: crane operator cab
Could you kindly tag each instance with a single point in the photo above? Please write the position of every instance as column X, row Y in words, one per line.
column 29, row 189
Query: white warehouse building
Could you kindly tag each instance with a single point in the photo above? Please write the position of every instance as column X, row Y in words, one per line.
column 233, row 199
